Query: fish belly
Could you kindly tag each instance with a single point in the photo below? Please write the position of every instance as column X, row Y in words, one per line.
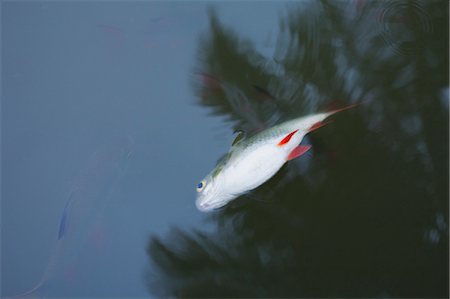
column 254, row 167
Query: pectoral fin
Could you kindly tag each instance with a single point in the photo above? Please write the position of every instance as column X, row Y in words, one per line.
column 287, row 138
column 298, row 151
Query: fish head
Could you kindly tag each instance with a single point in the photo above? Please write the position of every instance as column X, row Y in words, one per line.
column 212, row 191
column 210, row 195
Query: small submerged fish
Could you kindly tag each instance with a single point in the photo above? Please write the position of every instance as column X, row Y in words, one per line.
column 252, row 161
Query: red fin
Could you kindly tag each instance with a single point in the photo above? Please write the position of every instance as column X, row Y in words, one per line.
column 298, row 151
column 320, row 124
column 317, row 125
column 344, row 108
column 287, row 138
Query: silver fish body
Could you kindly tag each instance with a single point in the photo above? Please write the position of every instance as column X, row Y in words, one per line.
column 252, row 161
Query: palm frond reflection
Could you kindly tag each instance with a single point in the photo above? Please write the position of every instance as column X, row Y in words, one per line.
column 367, row 214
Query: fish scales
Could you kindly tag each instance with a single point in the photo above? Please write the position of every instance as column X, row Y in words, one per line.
column 252, row 161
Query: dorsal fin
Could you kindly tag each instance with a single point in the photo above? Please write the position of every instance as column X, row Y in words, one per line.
column 239, row 137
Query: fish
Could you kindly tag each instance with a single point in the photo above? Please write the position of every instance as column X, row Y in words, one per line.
column 252, row 161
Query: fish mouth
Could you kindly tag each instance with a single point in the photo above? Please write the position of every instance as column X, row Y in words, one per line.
column 208, row 207
column 212, row 200
column 203, row 206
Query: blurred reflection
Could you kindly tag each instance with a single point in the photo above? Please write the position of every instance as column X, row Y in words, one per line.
column 369, row 216
column 81, row 222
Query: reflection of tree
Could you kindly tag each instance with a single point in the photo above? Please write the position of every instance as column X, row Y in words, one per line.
column 369, row 218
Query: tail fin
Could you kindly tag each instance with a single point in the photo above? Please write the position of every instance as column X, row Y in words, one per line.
column 344, row 108
column 322, row 123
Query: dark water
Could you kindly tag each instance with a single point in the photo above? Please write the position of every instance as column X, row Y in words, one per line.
column 369, row 215
column 111, row 113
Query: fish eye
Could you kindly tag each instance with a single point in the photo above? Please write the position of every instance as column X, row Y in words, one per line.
column 201, row 186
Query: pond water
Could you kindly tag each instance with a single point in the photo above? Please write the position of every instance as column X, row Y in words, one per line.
column 113, row 111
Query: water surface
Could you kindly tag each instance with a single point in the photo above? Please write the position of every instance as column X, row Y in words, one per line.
column 112, row 112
